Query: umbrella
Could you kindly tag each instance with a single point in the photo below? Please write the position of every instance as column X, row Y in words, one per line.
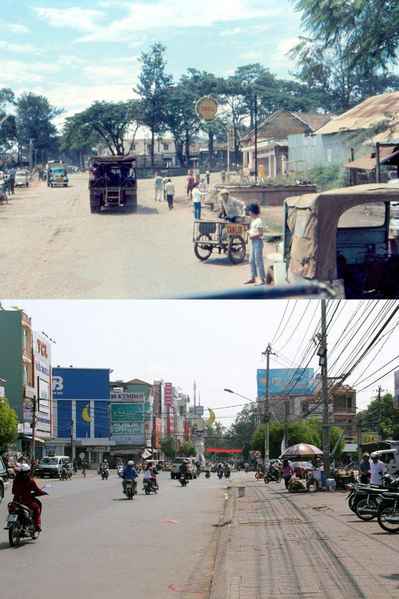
column 301, row 449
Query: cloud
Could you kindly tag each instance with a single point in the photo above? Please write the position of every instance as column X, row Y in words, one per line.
column 115, row 70
column 159, row 15
column 19, row 48
column 252, row 55
column 82, row 19
column 21, row 72
column 231, row 32
column 280, row 57
column 13, row 27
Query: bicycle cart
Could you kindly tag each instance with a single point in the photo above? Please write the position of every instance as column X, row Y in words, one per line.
column 229, row 238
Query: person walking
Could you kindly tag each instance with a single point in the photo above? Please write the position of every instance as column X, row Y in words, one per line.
column 197, row 201
column 158, row 187
column 208, row 177
column 256, row 237
column 287, row 472
column 170, row 192
column 190, row 185
column 223, row 175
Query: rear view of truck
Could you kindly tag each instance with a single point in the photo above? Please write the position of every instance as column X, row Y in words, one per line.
column 113, row 183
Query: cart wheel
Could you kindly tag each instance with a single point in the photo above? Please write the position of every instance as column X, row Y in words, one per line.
column 201, row 249
column 236, row 249
column 270, row 276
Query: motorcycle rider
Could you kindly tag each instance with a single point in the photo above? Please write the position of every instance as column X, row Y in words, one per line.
column 184, row 469
column 25, row 489
column 150, row 474
column 129, row 473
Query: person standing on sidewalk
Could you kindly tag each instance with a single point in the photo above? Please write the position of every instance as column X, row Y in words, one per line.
column 256, row 236
column 197, row 199
column 287, row 472
column 158, row 187
column 169, row 192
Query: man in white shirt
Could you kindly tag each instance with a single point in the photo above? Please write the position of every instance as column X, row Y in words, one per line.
column 169, row 192
column 158, row 187
column 231, row 208
column 255, row 257
column 197, row 196
column 377, row 469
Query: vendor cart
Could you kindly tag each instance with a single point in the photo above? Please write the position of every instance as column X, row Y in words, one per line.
column 226, row 237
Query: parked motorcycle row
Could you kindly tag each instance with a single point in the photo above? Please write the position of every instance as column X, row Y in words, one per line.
column 369, row 502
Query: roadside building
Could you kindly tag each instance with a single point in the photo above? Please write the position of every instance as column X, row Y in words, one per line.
column 332, row 142
column 81, row 413
column 25, row 364
column 273, row 134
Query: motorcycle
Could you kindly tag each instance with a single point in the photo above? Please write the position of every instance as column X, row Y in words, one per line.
column 363, row 498
column 105, row 474
column 273, row 477
column 183, row 480
column 388, row 512
column 259, row 475
column 19, row 521
column 120, row 471
column 149, row 486
column 65, row 474
column 207, row 474
column 227, row 473
column 220, row 474
column 130, row 486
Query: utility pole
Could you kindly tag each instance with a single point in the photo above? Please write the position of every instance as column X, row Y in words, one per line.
column 379, row 416
column 323, row 363
column 359, row 439
column 30, row 155
column 33, row 436
column 286, row 417
column 267, row 353
column 72, row 456
column 256, row 137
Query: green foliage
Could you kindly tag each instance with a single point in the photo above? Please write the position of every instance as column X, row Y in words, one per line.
column 169, row 446
column 8, row 423
column 187, row 449
column 332, row 176
column 34, row 116
column 389, row 417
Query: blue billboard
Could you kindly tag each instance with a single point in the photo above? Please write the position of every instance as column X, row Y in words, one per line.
column 286, row 381
column 81, row 383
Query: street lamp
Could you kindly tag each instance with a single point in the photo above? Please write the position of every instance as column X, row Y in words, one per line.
column 239, row 394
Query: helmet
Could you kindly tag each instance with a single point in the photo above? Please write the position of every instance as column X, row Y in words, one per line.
column 130, row 463
column 374, row 455
column 24, row 468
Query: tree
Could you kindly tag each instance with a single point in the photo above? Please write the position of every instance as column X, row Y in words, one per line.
column 187, row 449
column 245, row 425
column 169, row 446
column 181, row 119
column 153, row 86
column 79, row 139
column 8, row 423
column 8, row 127
column 372, row 28
column 108, row 120
column 34, row 116
column 389, row 417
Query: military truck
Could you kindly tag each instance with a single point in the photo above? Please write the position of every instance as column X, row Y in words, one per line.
column 113, row 183
column 56, row 174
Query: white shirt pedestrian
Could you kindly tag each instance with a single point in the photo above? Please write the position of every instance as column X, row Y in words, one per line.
column 378, row 470
column 158, row 188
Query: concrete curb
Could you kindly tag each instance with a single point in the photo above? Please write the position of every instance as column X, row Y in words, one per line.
column 221, row 572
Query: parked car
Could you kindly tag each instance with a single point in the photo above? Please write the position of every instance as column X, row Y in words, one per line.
column 21, row 179
column 3, row 479
column 302, row 468
column 191, row 467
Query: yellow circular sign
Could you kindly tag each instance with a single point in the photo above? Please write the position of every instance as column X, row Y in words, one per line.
column 207, row 108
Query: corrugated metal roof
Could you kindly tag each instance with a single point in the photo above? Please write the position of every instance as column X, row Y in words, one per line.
column 314, row 120
column 368, row 163
column 364, row 115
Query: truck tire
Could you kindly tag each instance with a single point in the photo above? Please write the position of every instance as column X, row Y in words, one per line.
column 95, row 209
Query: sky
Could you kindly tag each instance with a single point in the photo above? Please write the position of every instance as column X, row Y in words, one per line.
column 217, row 344
column 76, row 52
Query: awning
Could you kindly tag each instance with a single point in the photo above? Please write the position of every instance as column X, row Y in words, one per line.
column 388, row 156
column 29, row 438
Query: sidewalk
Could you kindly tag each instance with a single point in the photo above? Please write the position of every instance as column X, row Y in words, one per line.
column 277, row 544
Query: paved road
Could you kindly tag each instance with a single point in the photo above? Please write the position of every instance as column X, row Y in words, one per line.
column 96, row 544
column 51, row 247
column 309, row 545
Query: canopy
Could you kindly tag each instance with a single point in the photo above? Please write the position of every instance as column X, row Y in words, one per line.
column 313, row 220
column 388, row 155
column 301, row 449
column 116, row 159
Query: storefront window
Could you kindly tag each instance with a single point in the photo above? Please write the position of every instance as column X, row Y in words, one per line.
column 25, row 338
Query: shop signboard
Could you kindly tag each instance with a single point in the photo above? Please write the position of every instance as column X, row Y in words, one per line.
column 28, row 411
column 199, row 410
column 126, row 412
column 29, row 392
column 131, row 397
column 127, row 433
column 168, row 394
column 207, row 108
column 157, row 431
column 369, row 438
column 42, row 363
column 286, row 381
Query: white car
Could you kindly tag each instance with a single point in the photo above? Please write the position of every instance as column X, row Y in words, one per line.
column 21, row 179
column 191, row 467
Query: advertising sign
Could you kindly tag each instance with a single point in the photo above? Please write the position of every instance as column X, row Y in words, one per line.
column 199, row 410
column 286, row 381
column 28, row 411
column 29, row 392
column 42, row 363
column 157, row 431
column 396, row 391
column 127, row 433
column 168, row 394
column 127, row 412
column 132, row 397
column 207, row 108
column 81, row 383
column 369, row 438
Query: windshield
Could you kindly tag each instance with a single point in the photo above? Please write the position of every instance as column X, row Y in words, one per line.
column 57, row 171
column 49, row 462
column 21, row 174
column 364, row 215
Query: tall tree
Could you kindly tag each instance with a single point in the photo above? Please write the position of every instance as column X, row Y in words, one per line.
column 153, row 86
column 181, row 119
column 169, row 446
column 8, row 423
column 389, row 417
column 8, row 127
column 34, row 120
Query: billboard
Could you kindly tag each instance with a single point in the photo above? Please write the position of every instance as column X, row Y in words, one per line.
column 81, row 383
column 127, row 433
column 286, row 381
column 396, row 390
column 42, row 364
column 132, row 397
column 369, row 437
column 127, row 412
column 168, row 394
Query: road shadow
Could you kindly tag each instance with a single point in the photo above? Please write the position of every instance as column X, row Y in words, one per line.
column 222, row 260
column 8, row 546
column 147, row 210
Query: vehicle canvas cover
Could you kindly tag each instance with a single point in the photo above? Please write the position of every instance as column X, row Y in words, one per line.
column 313, row 221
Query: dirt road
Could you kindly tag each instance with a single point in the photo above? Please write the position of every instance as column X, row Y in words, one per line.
column 52, row 247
